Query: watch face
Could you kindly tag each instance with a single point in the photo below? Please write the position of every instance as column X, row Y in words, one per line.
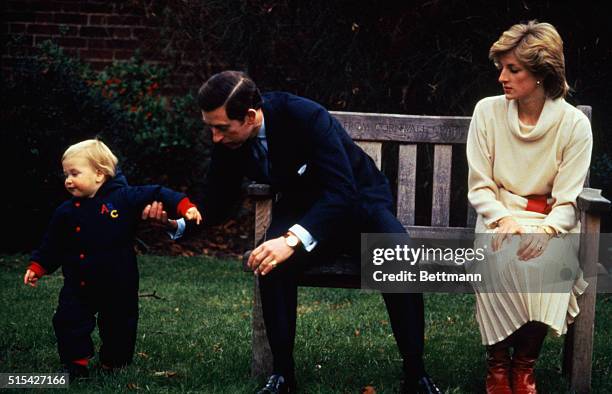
column 292, row 240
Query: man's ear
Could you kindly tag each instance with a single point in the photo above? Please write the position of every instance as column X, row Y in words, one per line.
column 251, row 116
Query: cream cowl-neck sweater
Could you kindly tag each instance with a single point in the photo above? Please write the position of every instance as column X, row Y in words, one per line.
column 510, row 162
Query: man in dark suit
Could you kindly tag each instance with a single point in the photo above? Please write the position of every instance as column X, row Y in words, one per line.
column 328, row 192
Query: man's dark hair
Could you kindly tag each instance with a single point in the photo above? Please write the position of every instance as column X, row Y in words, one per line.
column 232, row 89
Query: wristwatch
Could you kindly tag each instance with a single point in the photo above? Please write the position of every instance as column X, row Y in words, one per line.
column 291, row 239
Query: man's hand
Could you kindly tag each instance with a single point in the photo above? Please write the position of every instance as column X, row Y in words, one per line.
column 506, row 228
column 268, row 255
column 193, row 214
column 30, row 278
column 155, row 212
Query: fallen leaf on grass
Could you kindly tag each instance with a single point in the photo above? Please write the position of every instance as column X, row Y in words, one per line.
column 143, row 355
column 167, row 374
column 357, row 333
column 133, row 386
column 368, row 390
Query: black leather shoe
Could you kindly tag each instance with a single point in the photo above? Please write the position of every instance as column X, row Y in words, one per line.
column 277, row 384
column 423, row 385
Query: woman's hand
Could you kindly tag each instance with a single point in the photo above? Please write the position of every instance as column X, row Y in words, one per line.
column 506, row 228
column 533, row 244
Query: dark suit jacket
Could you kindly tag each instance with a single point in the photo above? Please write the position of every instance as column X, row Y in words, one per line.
column 338, row 177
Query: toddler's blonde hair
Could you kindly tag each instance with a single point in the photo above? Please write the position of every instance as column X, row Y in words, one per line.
column 98, row 154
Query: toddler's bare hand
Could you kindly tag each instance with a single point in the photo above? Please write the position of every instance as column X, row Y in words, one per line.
column 30, row 278
column 193, row 214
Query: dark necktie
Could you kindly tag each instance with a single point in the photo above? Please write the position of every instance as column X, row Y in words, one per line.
column 260, row 154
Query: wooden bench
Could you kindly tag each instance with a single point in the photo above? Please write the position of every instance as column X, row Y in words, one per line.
column 445, row 133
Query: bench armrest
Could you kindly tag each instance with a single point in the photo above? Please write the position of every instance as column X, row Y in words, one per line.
column 591, row 201
column 259, row 191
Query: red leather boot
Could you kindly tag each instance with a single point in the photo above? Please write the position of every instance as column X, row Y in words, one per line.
column 528, row 343
column 498, row 368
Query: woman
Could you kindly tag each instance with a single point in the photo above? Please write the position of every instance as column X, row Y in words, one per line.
column 528, row 153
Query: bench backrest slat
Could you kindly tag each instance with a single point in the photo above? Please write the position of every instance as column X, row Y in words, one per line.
column 588, row 111
column 373, row 149
column 440, row 199
column 406, row 184
column 471, row 215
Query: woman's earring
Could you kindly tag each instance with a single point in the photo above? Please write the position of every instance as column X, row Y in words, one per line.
column 538, row 82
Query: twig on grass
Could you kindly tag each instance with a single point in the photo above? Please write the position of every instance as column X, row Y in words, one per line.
column 152, row 295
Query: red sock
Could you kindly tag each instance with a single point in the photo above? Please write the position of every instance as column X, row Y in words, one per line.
column 81, row 361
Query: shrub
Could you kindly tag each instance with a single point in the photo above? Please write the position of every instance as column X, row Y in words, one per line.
column 51, row 101
column 45, row 108
column 167, row 143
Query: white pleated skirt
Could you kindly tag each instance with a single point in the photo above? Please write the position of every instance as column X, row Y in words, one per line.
column 514, row 292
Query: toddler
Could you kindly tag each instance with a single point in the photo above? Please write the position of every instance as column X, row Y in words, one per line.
column 91, row 237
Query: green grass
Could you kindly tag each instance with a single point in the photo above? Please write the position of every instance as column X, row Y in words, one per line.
column 200, row 330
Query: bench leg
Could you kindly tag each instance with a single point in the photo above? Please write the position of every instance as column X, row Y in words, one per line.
column 261, row 363
column 578, row 352
column 582, row 345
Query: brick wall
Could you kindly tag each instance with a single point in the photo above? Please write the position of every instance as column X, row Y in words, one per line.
column 98, row 32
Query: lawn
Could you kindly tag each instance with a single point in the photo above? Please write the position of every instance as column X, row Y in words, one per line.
column 194, row 335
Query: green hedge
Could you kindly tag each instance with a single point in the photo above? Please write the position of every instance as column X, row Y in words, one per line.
column 51, row 101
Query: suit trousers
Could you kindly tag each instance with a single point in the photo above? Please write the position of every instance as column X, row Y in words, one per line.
column 279, row 291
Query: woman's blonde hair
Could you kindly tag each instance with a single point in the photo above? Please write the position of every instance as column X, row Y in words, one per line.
column 98, row 154
column 539, row 48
